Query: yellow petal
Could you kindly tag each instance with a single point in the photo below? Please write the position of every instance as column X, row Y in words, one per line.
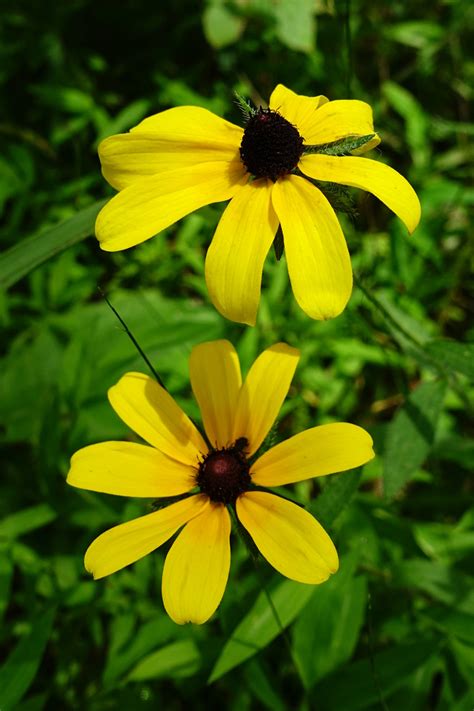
column 152, row 413
column 197, row 567
column 318, row 259
column 384, row 182
column 235, row 258
column 215, row 378
column 155, row 202
column 129, row 469
column 338, row 119
column 263, row 393
column 177, row 138
column 316, row 452
column 128, row 542
column 288, row 537
column 297, row 109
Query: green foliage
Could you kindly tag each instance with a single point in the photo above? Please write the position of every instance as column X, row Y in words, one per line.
column 394, row 628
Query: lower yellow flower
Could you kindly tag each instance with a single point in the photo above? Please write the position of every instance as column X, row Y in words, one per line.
column 182, row 159
column 221, row 473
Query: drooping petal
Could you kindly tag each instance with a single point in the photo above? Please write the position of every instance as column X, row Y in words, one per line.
column 155, row 202
column 338, row 119
column 197, row 567
column 152, row 413
column 177, row 138
column 263, row 392
column 318, row 259
column 129, row 469
column 297, row 109
column 215, row 378
column 124, row 544
column 316, row 452
column 384, row 182
column 292, row 541
column 235, row 258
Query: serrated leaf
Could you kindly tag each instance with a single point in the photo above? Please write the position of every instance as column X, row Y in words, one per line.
column 411, row 434
column 259, row 626
column 21, row 259
column 20, row 668
column 341, row 147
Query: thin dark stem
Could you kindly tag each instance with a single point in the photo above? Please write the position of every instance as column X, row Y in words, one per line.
column 132, row 338
column 375, row 675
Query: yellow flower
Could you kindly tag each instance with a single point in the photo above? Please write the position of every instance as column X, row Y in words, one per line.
column 182, row 159
column 237, row 417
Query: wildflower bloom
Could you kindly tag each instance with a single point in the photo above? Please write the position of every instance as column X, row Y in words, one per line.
column 186, row 157
column 217, row 474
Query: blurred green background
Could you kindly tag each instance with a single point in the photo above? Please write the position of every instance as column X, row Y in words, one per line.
column 395, row 628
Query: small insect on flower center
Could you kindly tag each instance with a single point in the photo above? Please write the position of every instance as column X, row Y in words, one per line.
column 224, row 473
column 271, row 146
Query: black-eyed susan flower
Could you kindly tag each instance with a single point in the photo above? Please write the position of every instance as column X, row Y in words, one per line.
column 214, row 475
column 186, row 157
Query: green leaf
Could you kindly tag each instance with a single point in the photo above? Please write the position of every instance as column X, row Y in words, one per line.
column 411, row 434
column 362, row 683
column 27, row 520
column 417, row 124
column 179, row 659
column 20, row 668
column 259, row 626
column 337, row 492
column 296, row 24
column 221, row 26
column 439, row 581
column 327, row 630
column 264, row 686
column 453, row 355
column 21, row 259
column 6, row 574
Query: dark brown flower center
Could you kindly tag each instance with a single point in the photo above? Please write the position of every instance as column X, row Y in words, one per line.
column 224, row 473
column 271, row 146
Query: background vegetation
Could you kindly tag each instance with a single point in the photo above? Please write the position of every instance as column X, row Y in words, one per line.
column 395, row 628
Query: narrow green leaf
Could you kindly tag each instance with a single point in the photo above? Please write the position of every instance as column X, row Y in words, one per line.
column 453, row 355
column 21, row 259
column 178, row 659
column 259, row 626
column 21, row 522
column 411, row 434
column 335, row 496
column 20, row 668
column 364, row 682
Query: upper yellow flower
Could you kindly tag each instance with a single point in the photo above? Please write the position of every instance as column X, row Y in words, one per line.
column 181, row 159
column 237, row 417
